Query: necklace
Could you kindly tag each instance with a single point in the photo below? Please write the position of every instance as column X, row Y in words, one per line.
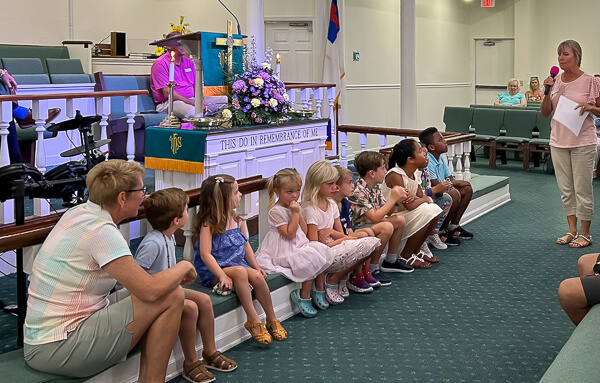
column 168, row 252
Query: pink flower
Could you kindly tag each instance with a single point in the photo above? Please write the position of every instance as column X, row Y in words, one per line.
column 251, row 82
column 258, row 120
column 253, row 115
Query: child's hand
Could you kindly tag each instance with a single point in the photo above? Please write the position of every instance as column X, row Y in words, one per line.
column 262, row 272
column 410, row 198
column 226, row 283
column 295, row 207
column 441, row 187
column 349, row 237
column 324, row 234
column 398, row 193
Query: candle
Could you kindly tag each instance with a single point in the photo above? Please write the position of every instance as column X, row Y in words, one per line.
column 278, row 65
column 172, row 67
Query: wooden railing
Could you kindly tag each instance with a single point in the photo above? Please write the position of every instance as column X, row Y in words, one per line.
column 459, row 145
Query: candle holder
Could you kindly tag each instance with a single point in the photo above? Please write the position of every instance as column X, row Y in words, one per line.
column 170, row 121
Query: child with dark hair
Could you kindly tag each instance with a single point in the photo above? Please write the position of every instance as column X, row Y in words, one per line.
column 461, row 191
column 167, row 211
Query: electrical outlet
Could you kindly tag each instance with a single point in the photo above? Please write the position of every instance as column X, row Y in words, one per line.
column 355, row 56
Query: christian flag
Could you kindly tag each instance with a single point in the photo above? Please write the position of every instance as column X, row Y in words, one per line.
column 333, row 69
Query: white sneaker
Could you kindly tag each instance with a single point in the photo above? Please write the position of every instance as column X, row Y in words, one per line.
column 435, row 241
column 425, row 249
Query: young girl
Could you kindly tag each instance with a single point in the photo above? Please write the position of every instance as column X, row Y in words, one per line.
column 420, row 212
column 286, row 249
column 224, row 255
column 323, row 222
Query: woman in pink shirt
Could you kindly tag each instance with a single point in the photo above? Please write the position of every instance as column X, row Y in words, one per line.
column 573, row 155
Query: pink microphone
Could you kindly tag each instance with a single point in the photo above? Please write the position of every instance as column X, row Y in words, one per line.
column 553, row 73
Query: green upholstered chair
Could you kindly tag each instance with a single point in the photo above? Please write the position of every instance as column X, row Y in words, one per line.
column 541, row 144
column 487, row 123
column 458, row 119
column 518, row 125
column 67, row 71
column 26, row 70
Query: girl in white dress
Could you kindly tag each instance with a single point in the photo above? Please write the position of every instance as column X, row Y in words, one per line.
column 323, row 222
column 286, row 249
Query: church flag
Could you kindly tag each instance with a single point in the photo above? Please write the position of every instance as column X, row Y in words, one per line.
column 333, row 68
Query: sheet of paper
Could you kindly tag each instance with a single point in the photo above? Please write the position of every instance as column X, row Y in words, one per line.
column 566, row 114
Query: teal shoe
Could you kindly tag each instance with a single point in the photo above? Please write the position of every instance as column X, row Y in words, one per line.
column 318, row 298
column 304, row 305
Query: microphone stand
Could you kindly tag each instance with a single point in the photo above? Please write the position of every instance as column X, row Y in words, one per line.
column 236, row 19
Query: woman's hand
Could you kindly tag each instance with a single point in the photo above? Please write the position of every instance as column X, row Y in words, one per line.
column 583, row 107
column 226, row 283
column 549, row 81
column 10, row 82
column 294, row 207
column 189, row 278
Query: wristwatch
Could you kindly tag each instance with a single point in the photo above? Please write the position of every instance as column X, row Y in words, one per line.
column 3, row 72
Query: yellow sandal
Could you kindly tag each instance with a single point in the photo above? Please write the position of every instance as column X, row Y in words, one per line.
column 263, row 337
column 278, row 332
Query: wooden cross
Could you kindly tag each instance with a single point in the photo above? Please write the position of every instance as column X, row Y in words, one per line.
column 230, row 42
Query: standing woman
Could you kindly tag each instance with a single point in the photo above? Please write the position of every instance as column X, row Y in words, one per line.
column 573, row 155
column 534, row 93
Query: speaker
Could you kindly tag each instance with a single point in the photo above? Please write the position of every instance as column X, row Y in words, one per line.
column 117, row 44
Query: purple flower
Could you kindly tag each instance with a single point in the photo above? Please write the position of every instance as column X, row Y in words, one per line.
column 246, row 99
column 265, row 76
column 239, row 86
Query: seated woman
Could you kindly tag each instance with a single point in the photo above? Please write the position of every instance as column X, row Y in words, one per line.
column 534, row 93
column 74, row 325
column 512, row 97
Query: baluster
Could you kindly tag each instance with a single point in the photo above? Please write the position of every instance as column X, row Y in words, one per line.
column 292, row 95
column 130, row 107
column 103, row 109
column 382, row 141
column 71, row 106
column 362, row 139
column 343, row 143
column 40, row 113
column 318, row 100
column 188, row 247
column 459, row 162
column 450, row 157
column 305, row 97
column 467, row 156
column 263, row 214
column 6, row 208
column 331, row 99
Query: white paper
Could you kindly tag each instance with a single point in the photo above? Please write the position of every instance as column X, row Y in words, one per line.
column 567, row 115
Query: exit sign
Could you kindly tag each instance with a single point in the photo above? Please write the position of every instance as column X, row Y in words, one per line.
column 487, row 3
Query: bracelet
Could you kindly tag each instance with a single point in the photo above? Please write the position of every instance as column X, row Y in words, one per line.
column 3, row 72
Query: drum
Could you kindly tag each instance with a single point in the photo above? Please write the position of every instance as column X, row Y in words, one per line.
column 13, row 172
column 65, row 171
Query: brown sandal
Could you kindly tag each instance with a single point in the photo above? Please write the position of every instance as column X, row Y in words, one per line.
column 263, row 337
column 276, row 330
column 197, row 373
column 218, row 361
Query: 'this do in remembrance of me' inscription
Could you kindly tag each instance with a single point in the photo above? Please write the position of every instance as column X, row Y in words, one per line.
column 268, row 138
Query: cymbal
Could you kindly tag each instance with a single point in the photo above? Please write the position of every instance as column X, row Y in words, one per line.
column 74, row 123
column 81, row 149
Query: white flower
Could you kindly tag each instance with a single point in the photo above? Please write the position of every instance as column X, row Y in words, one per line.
column 259, row 82
column 286, row 97
column 265, row 65
column 255, row 102
column 226, row 113
column 273, row 102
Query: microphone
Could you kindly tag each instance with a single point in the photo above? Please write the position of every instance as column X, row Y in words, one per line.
column 238, row 22
column 553, row 73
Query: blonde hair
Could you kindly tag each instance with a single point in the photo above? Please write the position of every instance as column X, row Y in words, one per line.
column 530, row 81
column 513, row 80
column 284, row 177
column 109, row 178
column 575, row 48
column 343, row 173
column 215, row 204
column 317, row 174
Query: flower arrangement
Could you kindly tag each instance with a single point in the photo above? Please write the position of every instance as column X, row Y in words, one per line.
column 181, row 28
column 257, row 96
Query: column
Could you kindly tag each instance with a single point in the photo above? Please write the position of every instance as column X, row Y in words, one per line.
column 255, row 26
column 408, row 78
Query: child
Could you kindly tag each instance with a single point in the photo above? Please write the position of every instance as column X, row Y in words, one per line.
column 323, row 222
column 224, row 255
column 286, row 249
column 461, row 191
column 419, row 211
column 167, row 211
column 370, row 209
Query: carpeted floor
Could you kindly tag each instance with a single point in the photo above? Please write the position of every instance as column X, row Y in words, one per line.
column 487, row 313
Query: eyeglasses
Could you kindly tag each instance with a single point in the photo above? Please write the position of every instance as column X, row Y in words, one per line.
column 143, row 190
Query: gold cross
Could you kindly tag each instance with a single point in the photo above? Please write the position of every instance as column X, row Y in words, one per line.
column 230, row 42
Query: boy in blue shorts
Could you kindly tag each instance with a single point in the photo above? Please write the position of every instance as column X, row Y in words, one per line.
column 167, row 211
column 461, row 191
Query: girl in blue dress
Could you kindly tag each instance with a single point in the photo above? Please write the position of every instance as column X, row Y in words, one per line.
column 224, row 255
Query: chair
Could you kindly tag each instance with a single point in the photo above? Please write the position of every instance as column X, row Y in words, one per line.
column 487, row 124
column 541, row 144
column 519, row 125
column 458, row 119
column 26, row 70
column 67, row 71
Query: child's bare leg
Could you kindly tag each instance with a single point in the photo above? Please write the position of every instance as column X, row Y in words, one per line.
column 305, row 290
column 262, row 292
column 413, row 244
column 205, row 321
column 320, row 282
column 187, row 332
column 398, row 222
column 383, row 231
column 239, row 275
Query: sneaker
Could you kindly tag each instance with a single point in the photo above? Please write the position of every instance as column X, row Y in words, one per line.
column 384, row 280
column 461, row 233
column 372, row 281
column 435, row 241
column 359, row 285
column 448, row 239
column 425, row 249
column 396, row 267
column 343, row 289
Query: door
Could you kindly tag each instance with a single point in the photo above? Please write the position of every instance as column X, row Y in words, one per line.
column 494, row 66
column 294, row 41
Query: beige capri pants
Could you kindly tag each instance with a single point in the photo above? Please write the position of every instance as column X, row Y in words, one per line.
column 574, row 169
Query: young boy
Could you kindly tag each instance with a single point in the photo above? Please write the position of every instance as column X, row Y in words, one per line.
column 167, row 211
column 461, row 191
column 370, row 208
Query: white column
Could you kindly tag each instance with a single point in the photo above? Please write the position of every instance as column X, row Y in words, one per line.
column 6, row 208
column 255, row 26
column 103, row 109
column 408, row 78
column 130, row 109
column 40, row 114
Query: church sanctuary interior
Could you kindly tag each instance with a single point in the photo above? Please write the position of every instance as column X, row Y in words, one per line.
column 360, row 76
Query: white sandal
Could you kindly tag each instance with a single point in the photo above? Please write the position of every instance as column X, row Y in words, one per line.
column 416, row 262
column 563, row 241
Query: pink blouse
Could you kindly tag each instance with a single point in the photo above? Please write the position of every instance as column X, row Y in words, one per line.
column 586, row 88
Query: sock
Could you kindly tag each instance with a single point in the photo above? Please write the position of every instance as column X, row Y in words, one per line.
column 373, row 267
column 391, row 258
column 452, row 226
